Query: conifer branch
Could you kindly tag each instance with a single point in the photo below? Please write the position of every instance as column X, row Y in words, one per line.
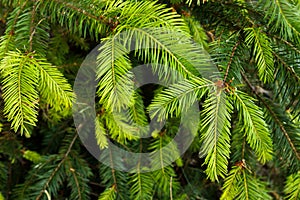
column 76, row 182
column 230, row 60
column 16, row 17
column 278, row 4
column 32, row 29
column 168, row 50
column 281, row 128
column 79, row 10
column 277, row 120
column 292, row 186
column 290, row 70
column 115, row 185
column 65, row 156
column 285, row 42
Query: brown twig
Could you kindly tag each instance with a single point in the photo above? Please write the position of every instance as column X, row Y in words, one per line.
column 231, row 59
column 32, row 29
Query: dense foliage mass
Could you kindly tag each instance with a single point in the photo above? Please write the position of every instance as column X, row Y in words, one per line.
column 242, row 72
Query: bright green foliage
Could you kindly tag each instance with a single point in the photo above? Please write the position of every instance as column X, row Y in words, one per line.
column 254, row 126
column 292, row 187
column 121, row 129
column 237, row 62
column 24, row 77
column 116, row 86
column 6, row 45
column 216, row 134
column 20, row 78
column 241, row 184
column 100, row 134
column 262, row 53
column 142, row 186
column 108, row 194
column 282, row 17
column 197, row 31
column 53, row 87
column 178, row 98
column 32, row 156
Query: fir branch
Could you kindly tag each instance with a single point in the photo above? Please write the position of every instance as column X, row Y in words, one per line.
column 100, row 133
column 57, row 167
column 116, row 84
column 292, row 186
column 277, row 120
column 121, row 127
column 288, row 43
column 32, row 29
column 215, row 133
column 15, row 17
column 262, row 53
column 19, row 82
column 6, row 44
column 165, row 45
column 77, row 183
column 253, row 124
column 7, row 41
column 282, row 129
column 113, row 170
column 241, row 184
column 108, row 194
column 111, row 176
column 197, row 32
column 79, row 10
column 164, row 151
column 229, row 187
column 231, row 59
column 78, row 173
column 171, row 102
column 141, row 183
column 284, row 16
column 53, row 86
column 76, row 17
column 290, row 70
